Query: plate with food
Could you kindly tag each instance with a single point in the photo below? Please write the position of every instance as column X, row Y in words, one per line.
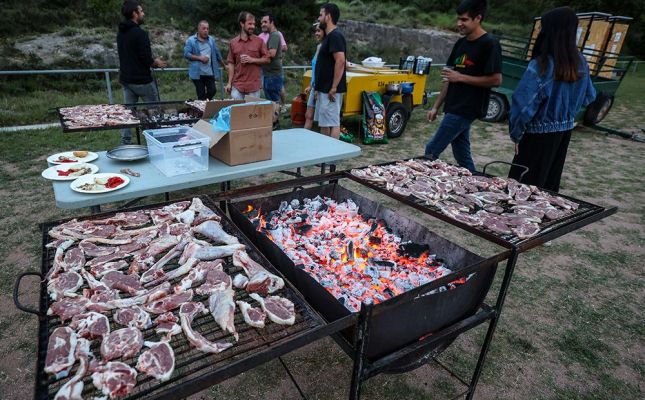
column 72, row 157
column 99, row 183
column 69, row 172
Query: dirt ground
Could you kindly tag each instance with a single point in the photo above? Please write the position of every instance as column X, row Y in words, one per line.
column 572, row 325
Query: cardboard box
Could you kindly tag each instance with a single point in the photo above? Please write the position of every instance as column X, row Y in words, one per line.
column 250, row 138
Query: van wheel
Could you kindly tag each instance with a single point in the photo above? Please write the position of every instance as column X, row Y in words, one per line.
column 598, row 110
column 497, row 108
column 397, row 119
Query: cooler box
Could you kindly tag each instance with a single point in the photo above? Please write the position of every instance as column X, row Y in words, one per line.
column 178, row 150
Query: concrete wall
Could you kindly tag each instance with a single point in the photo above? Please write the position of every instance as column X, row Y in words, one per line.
column 419, row 42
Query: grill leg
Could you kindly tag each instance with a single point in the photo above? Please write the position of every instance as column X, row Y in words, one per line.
column 503, row 290
column 223, row 187
column 361, row 340
column 138, row 130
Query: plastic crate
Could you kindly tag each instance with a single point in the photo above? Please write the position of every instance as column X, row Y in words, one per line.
column 178, row 150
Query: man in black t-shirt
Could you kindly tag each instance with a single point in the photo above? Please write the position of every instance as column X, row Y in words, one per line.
column 473, row 67
column 329, row 76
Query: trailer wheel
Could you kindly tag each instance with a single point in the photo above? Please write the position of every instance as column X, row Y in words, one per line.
column 497, row 108
column 397, row 119
column 598, row 110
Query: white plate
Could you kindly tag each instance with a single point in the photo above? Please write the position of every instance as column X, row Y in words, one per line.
column 53, row 159
column 52, row 172
column 90, row 179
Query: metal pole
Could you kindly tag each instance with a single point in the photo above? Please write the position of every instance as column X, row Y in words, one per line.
column 108, row 85
column 221, row 83
column 508, row 274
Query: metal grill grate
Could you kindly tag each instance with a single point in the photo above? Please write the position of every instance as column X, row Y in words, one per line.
column 584, row 210
column 189, row 363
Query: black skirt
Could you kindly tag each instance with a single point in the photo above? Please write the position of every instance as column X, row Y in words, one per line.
column 544, row 154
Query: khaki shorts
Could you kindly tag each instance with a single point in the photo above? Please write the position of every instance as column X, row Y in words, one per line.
column 328, row 112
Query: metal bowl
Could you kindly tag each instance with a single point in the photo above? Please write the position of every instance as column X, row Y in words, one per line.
column 128, row 152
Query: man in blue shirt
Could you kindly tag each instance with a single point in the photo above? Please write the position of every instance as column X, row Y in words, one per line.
column 204, row 56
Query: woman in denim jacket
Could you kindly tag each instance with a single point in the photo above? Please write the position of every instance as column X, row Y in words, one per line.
column 553, row 89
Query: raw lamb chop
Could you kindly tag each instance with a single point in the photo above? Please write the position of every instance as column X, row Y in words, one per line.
column 117, row 255
column 175, row 273
column 73, row 388
column 74, row 259
column 149, row 296
column 133, row 219
column 65, row 284
column 166, row 325
column 67, row 307
column 114, row 379
column 203, row 213
column 102, row 269
column 280, row 310
column 91, row 325
column 253, row 316
column 58, row 263
column 526, row 230
column 168, row 212
column 124, row 343
column 169, row 302
column 213, row 252
column 158, row 361
column 222, row 307
column 197, row 274
column 216, row 279
column 119, row 281
column 260, row 280
column 240, row 281
column 140, row 241
column 61, row 352
column 214, row 231
column 186, row 313
column 135, row 317
column 155, row 272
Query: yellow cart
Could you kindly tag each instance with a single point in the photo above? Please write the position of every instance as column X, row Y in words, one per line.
column 398, row 106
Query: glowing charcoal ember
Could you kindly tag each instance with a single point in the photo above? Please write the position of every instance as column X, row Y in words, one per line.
column 354, row 258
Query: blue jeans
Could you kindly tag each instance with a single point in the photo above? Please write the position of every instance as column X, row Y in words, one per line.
column 272, row 86
column 131, row 94
column 454, row 130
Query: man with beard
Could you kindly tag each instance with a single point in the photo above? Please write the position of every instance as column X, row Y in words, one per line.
column 272, row 71
column 204, row 56
column 246, row 54
column 473, row 67
column 135, row 60
column 330, row 80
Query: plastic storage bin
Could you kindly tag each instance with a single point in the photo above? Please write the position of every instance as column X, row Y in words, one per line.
column 178, row 150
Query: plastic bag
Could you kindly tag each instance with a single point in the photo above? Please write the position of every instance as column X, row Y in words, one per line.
column 222, row 121
column 373, row 120
column 345, row 135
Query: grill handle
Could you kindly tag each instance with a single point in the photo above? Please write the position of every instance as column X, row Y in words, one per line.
column 524, row 167
column 15, row 293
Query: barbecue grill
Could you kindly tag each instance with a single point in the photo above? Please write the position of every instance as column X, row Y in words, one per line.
column 404, row 322
column 194, row 370
column 151, row 115
column 367, row 362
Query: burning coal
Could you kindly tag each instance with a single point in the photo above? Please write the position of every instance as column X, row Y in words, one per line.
column 353, row 257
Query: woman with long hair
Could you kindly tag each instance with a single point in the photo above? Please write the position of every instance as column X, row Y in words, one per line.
column 553, row 89
column 319, row 33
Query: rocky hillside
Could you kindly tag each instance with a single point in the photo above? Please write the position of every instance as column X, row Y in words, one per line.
column 96, row 48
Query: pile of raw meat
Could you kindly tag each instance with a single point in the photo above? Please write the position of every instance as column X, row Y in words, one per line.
column 355, row 259
column 500, row 205
column 148, row 274
column 199, row 105
column 97, row 116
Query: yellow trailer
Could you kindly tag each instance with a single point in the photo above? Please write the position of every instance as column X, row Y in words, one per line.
column 371, row 79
